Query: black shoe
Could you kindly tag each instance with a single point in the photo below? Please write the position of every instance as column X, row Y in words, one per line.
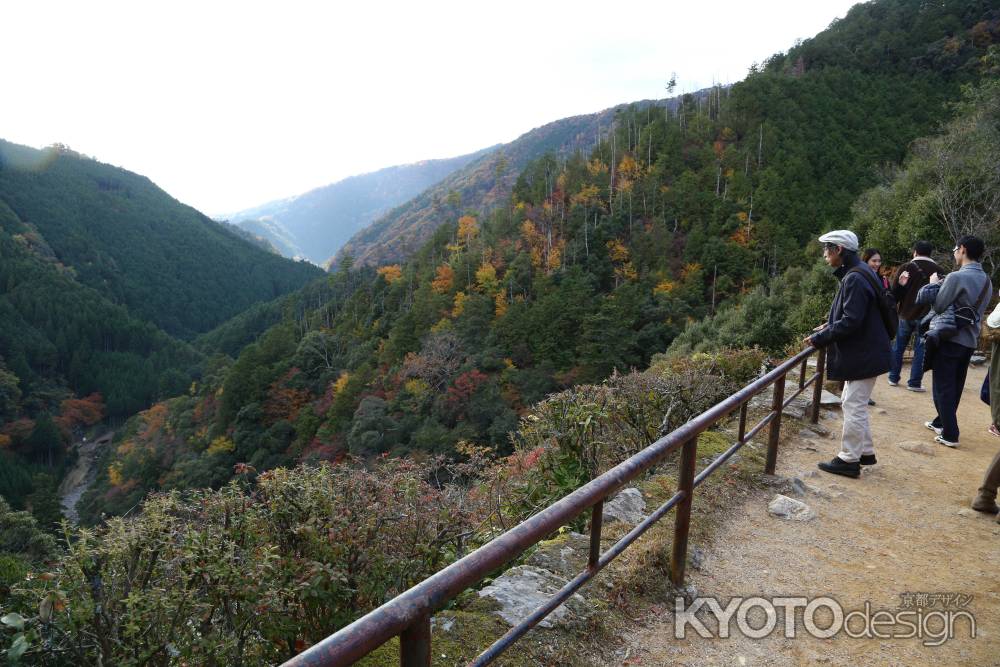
column 838, row 466
column 871, row 402
column 868, row 460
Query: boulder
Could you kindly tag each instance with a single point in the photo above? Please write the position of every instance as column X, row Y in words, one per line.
column 794, row 485
column 522, row 589
column 789, row 508
column 627, row 507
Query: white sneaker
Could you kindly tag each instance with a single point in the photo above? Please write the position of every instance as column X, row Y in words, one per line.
column 919, row 390
column 946, row 443
column 893, row 384
column 931, row 426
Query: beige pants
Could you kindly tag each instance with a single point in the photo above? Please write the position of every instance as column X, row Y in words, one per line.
column 857, row 437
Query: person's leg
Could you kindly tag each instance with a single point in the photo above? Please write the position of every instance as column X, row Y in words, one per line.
column 986, row 500
column 898, row 346
column 917, row 367
column 938, row 385
column 857, row 436
column 950, row 368
column 963, row 356
column 995, row 384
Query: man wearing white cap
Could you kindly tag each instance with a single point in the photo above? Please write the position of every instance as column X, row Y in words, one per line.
column 857, row 345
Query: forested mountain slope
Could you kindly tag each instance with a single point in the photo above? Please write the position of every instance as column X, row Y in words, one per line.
column 316, row 224
column 594, row 263
column 53, row 330
column 95, row 264
column 480, row 186
column 136, row 245
column 853, row 97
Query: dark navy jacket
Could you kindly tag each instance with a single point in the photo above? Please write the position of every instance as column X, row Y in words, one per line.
column 855, row 337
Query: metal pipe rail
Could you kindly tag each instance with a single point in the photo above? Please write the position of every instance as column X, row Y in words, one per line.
column 409, row 614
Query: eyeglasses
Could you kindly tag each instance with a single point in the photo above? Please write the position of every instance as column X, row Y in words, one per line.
column 955, row 249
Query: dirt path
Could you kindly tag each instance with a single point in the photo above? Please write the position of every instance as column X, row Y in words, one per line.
column 903, row 527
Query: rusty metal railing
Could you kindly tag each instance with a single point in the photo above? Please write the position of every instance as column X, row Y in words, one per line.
column 408, row 615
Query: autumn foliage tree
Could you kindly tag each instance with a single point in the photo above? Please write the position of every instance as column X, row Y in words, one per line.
column 78, row 412
column 444, row 278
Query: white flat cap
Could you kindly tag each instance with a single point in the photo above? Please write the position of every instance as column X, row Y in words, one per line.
column 845, row 238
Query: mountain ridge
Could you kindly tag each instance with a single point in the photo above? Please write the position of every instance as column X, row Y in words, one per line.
column 313, row 225
column 400, row 232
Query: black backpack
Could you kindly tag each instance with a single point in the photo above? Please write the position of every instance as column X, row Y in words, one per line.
column 885, row 301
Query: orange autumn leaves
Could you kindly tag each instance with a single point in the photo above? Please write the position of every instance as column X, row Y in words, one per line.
column 444, row 279
column 391, row 273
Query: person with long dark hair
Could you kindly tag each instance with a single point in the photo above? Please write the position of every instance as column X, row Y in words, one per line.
column 873, row 258
column 906, row 283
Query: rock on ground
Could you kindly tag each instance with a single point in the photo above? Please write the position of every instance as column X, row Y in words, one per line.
column 522, row 589
column 789, row 508
column 627, row 507
column 565, row 555
column 917, row 447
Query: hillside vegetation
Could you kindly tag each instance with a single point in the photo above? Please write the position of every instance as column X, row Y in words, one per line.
column 136, row 245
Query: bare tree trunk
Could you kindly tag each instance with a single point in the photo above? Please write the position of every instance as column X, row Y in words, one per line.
column 715, row 274
column 611, row 187
column 760, row 144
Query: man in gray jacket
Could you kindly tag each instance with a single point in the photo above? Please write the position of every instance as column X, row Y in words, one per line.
column 963, row 288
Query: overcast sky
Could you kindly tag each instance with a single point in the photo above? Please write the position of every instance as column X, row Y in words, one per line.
column 227, row 105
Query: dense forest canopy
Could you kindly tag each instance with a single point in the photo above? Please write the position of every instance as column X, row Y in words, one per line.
column 137, row 246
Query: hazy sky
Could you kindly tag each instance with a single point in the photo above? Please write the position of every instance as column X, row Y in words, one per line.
column 227, row 105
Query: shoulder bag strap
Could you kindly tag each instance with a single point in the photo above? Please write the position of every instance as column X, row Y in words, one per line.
column 868, row 277
column 982, row 295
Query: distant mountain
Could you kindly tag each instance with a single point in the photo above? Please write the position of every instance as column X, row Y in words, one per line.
column 136, row 245
column 316, row 224
column 481, row 184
